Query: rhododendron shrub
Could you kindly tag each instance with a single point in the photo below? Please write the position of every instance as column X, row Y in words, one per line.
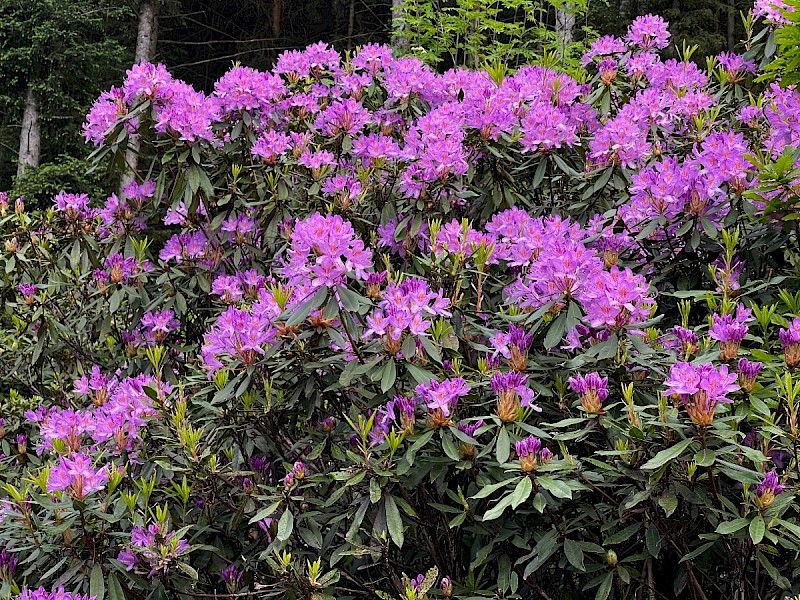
column 358, row 328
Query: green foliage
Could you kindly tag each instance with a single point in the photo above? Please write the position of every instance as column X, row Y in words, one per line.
column 39, row 186
column 786, row 66
column 67, row 51
column 449, row 33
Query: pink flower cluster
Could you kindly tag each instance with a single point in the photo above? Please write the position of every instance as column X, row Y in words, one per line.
column 155, row 547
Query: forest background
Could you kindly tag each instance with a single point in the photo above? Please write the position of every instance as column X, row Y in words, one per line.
column 57, row 56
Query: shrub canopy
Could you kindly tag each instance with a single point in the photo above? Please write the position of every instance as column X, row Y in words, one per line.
column 356, row 321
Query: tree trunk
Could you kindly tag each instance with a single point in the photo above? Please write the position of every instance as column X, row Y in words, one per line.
column 624, row 10
column 565, row 24
column 147, row 34
column 399, row 40
column 146, row 41
column 731, row 25
column 30, row 138
column 351, row 24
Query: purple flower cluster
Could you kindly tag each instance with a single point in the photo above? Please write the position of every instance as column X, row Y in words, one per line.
column 77, row 475
column 767, row 489
column 748, row 372
column 729, row 330
column 701, row 387
column 324, row 251
column 59, row 594
column 592, row 389
column 512, row 394
column 790, row 340
column 405, row 308
column 120, row 409
column 155, row 548
column 441, row 397
column 513, row 346
column 531, row 453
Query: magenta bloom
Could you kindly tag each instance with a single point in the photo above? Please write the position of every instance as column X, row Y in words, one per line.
column 531, row 453
column 159, row 324
column 324, row 251
column 592, row 389
column 77, row 475
column 511, row 387
column 648, row 32
column 730, row 330
column 59, row 594
column 748, row 371
column 790, row 340
column 701, row 387
column 767, row 489
column 442, row 396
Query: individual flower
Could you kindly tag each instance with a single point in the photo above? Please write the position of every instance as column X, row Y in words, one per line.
column 748, row 371
column 729, row 330
column 767, row 490
column 441, row 397
column 231, row 575
column 77, row 476
column 648, row 32
column 790, row 340
column 531, row 453
column 701, row 387
column 513, row 346
column 512, row 394
column 592, row 389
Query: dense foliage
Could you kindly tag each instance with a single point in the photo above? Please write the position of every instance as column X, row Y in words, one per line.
column 356, row 321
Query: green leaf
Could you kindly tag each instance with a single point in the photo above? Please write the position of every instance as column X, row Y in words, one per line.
column 389, row 375
column 605, row 588
column 503, row 449
column 97, row 586
column 669, row 502
column 705, row 458
column 653, row 540
column 394, row 521
column 559, row 489
column 491, row 488
column 285, row 525
column 115, row 591
column 729, row 527
column 499, row 508
column 521, row 492
column 757, row 529
column 265, row 512
column 624, row 535
column 667, row 455
column 574, row 554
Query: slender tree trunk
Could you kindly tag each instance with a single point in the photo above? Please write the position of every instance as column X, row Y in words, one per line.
column 565, row 24
column 399, row 40
column 146, row 41
column 30, row 138
column 731, row 25
column 624, row 9
column 277, row 16
column 351, row 24
column 147, row 34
